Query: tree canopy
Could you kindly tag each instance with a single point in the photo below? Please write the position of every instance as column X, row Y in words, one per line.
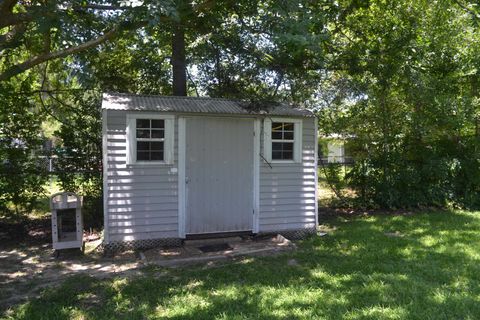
column 398, row 78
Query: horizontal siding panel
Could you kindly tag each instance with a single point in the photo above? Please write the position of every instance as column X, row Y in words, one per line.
column 286, row 182
column 283, row 201
column 286, row 188
column 144, row 171
column 115, row 161
column 285, row 226
column 283, row 220
column 116, row 157
column 287, row 195
column 143, row 193
column 117, row 144
column 292, row 169
column 117, row 119
column 117, row 122
column 143, row 236
column 116, row 136
column 142, row 207
column 113, row 151
column 287, row 165
column 142, row 222
column 112, row 148
column 287, row 207
column 287, row 213
column 142, row 201
column 119, row 129
column 141, row 186
column 142, row 215
column 282, row 176
column 143, row 229
column 141, row 179
column 116, row 127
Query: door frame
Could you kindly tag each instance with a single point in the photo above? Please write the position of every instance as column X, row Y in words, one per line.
column 182, row 191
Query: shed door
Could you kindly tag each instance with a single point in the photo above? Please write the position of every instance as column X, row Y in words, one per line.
column 219, row 175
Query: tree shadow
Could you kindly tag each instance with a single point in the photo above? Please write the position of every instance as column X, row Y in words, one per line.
column 430, row 270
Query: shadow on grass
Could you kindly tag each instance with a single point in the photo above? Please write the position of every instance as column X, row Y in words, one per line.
column 429, row 269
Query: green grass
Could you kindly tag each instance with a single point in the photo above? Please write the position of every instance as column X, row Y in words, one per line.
column 431, row 271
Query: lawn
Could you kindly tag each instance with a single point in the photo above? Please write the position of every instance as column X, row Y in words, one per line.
column 422, row 266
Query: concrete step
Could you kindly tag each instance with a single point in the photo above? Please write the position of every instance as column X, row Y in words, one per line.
column 206, row 242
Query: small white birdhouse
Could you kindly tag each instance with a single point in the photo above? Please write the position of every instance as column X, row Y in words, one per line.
column 67, row 221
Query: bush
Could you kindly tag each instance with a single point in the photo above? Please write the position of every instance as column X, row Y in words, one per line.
column 21, row 177
column 79, row 164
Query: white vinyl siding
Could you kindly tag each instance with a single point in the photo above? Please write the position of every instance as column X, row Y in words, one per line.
column 287, row 188
column 141, row 200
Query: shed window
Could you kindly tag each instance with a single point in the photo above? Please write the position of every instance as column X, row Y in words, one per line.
column 283, row 140
column 150, row 139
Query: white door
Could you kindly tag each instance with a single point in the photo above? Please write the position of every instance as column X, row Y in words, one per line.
column 219, row 175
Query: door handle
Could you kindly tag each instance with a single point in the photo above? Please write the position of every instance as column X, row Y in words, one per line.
column 187, row 180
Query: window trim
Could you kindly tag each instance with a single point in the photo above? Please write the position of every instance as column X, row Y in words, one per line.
column 297, row 139
column 168, row 146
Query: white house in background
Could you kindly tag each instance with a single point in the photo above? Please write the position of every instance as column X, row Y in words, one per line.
column 336, row 151
column 184, row 167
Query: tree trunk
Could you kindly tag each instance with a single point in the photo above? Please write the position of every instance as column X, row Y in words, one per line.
column 179, row 64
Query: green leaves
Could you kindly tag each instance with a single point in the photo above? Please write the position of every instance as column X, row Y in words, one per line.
column 414, row 124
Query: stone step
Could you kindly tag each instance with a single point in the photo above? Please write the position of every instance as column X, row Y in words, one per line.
column 206, row 242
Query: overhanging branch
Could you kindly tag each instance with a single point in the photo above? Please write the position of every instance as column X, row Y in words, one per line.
column 14, row 19
column 47, row 56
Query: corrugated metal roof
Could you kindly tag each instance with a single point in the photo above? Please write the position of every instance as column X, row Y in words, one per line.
column 123, row 101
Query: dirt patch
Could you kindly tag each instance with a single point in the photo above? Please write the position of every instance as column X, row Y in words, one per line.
column 193, row 253
column 28, row 268
column 28, row 231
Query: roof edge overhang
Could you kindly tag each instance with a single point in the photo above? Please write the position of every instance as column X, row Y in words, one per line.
column 194, row 106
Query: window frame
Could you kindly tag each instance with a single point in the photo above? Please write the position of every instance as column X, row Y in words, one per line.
column 168, row 139
column 297, row 139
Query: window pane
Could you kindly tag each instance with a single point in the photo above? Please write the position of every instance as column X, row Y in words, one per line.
column 277, row 146
column 277, row 126
column 287, row 146
column 159, row 124
column 277, row 135
column 143, row 133
column 143, row 145
column 282, row 150
column 282, row 130
column 156, row 155
column 288, row 135
column 158, row 133
column 287, row 155
column 156, row 145
column 143, row 123
column 277, row 155
column 143, row 155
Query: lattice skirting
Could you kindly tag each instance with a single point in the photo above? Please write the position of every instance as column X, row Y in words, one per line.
column 141, row 244
column 293, row 234
column 118, row 246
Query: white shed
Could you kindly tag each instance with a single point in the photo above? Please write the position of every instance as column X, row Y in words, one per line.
column 181, row 167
